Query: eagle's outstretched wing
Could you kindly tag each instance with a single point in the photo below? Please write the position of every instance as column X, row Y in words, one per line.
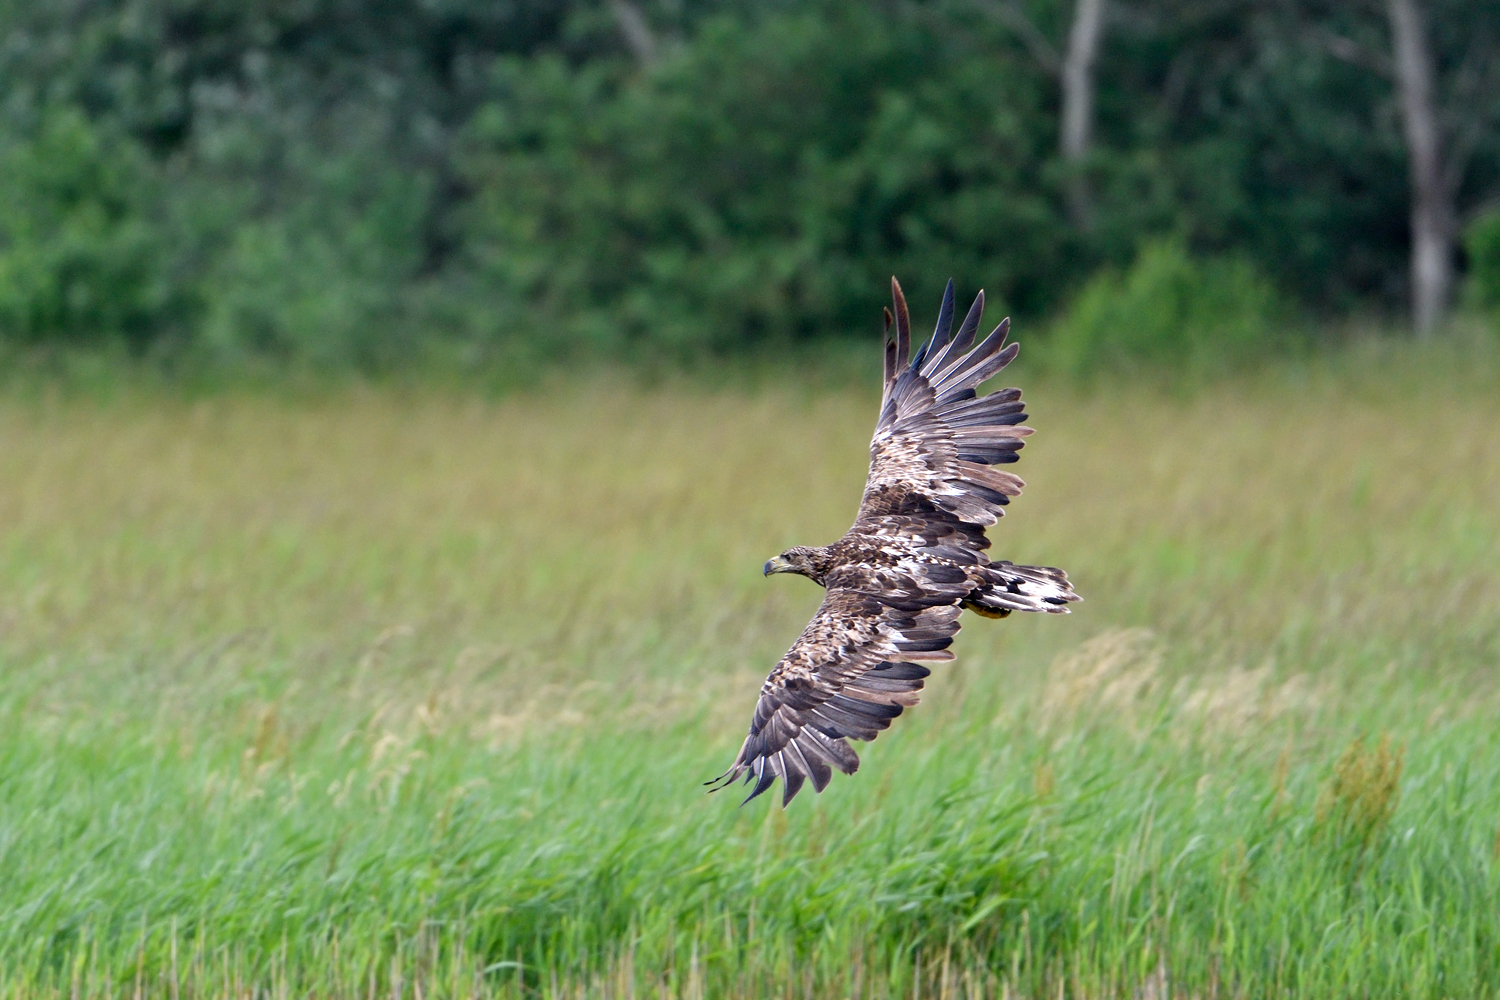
column 937, row 440
column 846, row 676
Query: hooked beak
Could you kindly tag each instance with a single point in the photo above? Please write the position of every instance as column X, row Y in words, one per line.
column 776, row 564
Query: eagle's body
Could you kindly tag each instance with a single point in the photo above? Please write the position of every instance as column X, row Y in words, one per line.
column 913, row 560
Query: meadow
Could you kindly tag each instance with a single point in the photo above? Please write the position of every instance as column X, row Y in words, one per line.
column 410, row 691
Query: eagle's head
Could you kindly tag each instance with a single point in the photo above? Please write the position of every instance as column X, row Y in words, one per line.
column 797, row 559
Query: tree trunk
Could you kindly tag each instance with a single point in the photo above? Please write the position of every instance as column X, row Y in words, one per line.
column 1432, row 214
column 1078, row 104
column 636, row 31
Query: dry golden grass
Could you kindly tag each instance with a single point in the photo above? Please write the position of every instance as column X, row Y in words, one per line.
column 603, row 535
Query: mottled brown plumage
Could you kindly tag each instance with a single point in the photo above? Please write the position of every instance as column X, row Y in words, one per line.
column 915, row 557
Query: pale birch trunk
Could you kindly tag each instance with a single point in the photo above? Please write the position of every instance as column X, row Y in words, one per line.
column 636, row 31
column 1432, row 214
column 1078, row 104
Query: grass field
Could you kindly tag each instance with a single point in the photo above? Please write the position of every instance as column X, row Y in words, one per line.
column 409, row 693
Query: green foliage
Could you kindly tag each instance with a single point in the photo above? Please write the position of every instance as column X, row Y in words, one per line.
column 1483, row 244
column 318, row 184
column 765, row 183
column 80, row 257
column 328, row 282
column 1170, row 310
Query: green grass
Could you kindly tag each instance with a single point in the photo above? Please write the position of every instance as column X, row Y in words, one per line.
column 403, row 692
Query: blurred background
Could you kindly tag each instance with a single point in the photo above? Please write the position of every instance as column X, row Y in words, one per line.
column 367, row 185
column 399, row 399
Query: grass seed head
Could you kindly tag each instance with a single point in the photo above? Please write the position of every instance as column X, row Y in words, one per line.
column 1357, row 802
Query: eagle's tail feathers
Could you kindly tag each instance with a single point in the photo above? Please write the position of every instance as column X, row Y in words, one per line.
column 1022, row 588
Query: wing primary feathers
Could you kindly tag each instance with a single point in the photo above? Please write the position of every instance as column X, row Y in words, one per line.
column 988, row 368
column 903, row 326
column 960, row 343
column 836, row 751
column 797, row 770
column 960, row 376
column 944, row 321
column 901, row 671
column 970, row 325
column 762, row 770
column 921, row 356
column 835, row 723
column 874, row 712
column 817, row 768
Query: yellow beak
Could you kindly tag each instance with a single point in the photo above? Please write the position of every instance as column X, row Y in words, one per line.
column 776, row 564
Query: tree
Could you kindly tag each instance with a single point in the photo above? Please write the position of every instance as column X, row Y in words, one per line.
column 636, row 32
column 1446, row 80
column 1078, row 104
column 1074, row 71
column 1432, row 212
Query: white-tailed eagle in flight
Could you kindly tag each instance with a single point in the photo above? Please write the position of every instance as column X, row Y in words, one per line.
column 913, row 561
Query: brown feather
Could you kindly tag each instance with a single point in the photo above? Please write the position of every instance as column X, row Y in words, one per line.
column 903, row 326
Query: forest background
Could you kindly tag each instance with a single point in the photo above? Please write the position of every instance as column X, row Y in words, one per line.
column 374, row 185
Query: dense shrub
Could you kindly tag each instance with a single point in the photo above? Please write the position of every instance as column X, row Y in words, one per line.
column 328, row 281
column 1483, row 244
column 1170, row 310
column 333, row 184
column 80, row 258
column 764, row 180
column 766, row 183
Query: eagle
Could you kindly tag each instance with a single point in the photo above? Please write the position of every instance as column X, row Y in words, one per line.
column 914, row 560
